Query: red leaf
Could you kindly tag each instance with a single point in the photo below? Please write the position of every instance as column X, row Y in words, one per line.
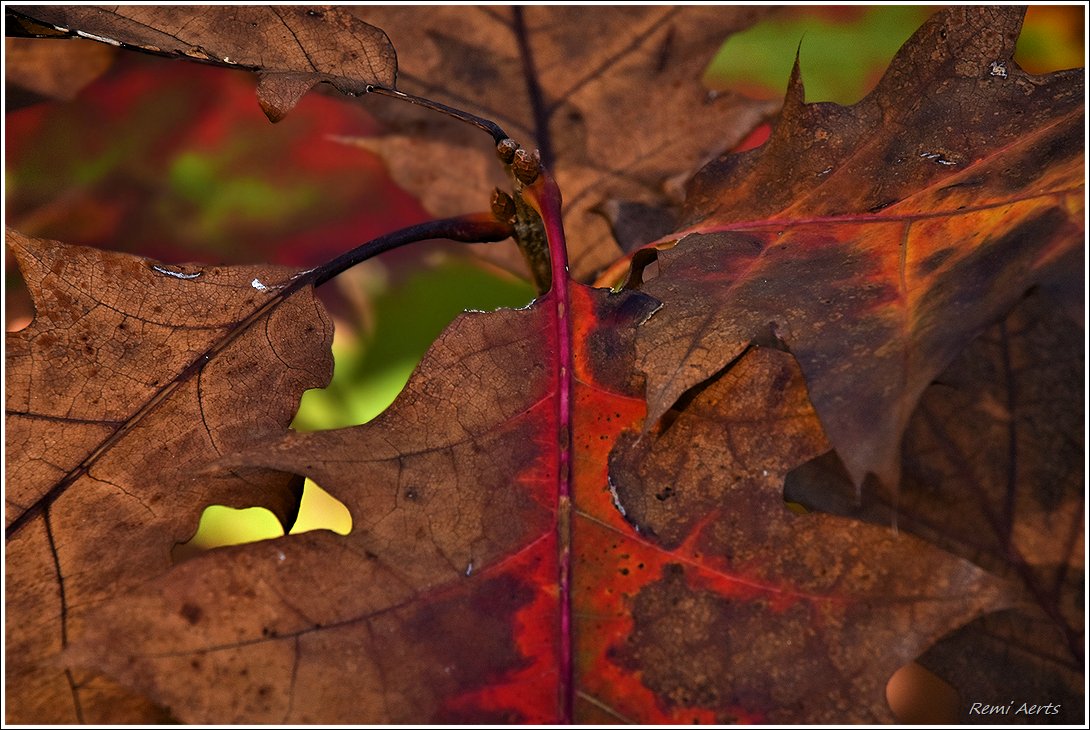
column 876, row 240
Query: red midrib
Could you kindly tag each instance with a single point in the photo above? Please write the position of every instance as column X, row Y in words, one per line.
column 547, row 196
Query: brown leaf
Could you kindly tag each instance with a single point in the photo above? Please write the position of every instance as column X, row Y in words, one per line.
column 446, row 586
column 611, row 95
column 495, row 572
column 1009, row 661
column 54, row 70
column 992, row 456
column 993, row 471
column 450, row 613
column 835, row 607
column 877, row 240
column 293, row 48
column 116, row 394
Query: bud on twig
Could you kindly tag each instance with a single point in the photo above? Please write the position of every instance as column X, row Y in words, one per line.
column 503, row 207
column 527, row 166
column 506, row 150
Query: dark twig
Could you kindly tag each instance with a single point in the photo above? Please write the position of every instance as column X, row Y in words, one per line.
column 475, row 228
column 480, row 122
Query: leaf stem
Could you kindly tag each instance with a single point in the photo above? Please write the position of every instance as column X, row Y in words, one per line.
column 480, row 122
column 471, row 228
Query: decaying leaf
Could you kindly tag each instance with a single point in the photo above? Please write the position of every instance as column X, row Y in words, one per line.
column 991, row 465
column 292, row 48
column 116, row 396
column 876, row 240
column 453, row 613
column 443, row 599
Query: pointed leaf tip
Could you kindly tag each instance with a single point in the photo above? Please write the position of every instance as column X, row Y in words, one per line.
column 320, row 44
column 278, row 93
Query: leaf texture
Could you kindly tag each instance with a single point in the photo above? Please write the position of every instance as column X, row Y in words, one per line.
column 454, row 496
column 574, row 512
column 623, row 128
column 992, row 471
column 453, row 612
column 116, row 395
column 875, row 240
column 292, row 48
column 733, row 609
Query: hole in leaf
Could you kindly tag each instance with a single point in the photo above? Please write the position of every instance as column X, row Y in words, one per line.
column 644, row 267
column 221, row 526
column 320, row 510
column 18, row 308
column 918, row 697
column 392, row 320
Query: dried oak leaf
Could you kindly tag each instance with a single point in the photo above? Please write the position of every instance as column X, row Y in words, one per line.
column 443, row 604
column 992, row 470
column 762, row 614
column 131, row 376
column 447, row 601
column 612, row 96
column 877, row 240
column 291, row 48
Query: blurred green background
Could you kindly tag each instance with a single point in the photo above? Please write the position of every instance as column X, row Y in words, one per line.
column 175, row 161
column 844, row 50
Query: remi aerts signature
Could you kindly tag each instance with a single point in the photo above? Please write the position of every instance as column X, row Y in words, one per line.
column 1012, row 708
